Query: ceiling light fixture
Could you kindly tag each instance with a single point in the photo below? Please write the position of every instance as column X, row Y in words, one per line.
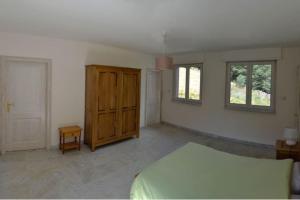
column 164, row 62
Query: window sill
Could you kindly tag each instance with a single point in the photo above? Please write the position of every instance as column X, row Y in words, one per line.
column 188, row 102
column 256, row 109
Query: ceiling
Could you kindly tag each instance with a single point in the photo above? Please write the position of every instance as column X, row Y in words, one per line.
column 190, row 25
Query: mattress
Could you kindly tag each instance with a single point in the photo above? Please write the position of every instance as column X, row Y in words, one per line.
column 197, row 171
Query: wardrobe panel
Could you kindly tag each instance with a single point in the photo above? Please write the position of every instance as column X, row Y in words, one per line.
column 128, row 121
column 106, row 126
column 107, row 91
column 129, row 90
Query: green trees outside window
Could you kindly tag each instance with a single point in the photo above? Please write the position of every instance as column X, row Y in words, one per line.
column 250, row 84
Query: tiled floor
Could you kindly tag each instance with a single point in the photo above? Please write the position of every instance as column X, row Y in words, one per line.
column 105, row 173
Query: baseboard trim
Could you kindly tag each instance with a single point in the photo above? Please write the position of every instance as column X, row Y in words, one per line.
column 219, row 137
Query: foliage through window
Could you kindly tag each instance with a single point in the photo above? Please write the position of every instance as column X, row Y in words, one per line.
column 188, row 83
column 250, row 85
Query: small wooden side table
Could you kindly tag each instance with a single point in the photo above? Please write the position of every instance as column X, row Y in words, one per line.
column 67, row 132
column 284, row 151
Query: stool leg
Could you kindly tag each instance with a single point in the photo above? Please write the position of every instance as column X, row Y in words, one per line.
column 63, row 145
column 59, row 141
column 79, row 141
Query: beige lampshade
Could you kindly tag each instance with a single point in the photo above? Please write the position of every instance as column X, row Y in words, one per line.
column 163, row 62
column 291, row 135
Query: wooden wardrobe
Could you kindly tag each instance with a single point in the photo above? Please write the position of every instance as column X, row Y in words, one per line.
column 112, row 104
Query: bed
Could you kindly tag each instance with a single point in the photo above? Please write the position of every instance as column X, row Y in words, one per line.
column 197, row 171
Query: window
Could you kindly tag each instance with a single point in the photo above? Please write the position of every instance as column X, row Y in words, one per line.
column 251, row 85
column 188, row 83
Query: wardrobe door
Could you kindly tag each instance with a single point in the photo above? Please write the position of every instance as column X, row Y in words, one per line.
column 130, row 103
column 107, row 105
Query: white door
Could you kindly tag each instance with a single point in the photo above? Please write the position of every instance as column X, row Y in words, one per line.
column 24, row 104
column 153, row 97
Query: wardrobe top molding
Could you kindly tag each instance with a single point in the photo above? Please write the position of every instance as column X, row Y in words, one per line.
column 115, row 67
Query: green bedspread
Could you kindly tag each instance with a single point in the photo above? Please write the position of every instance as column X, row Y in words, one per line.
column 197, row 171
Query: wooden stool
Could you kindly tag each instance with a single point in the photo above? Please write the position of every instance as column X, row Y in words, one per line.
column 70, row 131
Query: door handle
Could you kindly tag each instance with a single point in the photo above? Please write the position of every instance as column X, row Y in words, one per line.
column 8, row 105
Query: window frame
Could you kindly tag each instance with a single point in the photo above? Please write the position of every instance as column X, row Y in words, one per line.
column 248, row 106
column 187, row 100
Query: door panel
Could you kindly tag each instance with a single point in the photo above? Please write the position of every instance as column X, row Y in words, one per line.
column 128, row 122
column 107, row 86
column 107, row 105
column 106, row 126
column 117, row 104
column 25, row 105
column 129, row 90
column 153, row 97
column 130, row 100
column 28, row 127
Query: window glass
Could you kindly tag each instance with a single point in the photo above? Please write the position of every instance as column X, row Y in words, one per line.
column 261, row 85
column 194, row 83
column 238, row 83
column 181, row 82
column 187, row 85
column 249, row 86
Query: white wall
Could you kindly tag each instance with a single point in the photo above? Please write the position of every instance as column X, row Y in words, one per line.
column 68, row 77
column 68, row 71
column 212, row 117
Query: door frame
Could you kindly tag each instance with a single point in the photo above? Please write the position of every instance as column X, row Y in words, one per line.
column 48, row 82
column 146, row 91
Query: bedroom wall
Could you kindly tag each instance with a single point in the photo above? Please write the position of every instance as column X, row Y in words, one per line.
column 68, row 71
column 212, row 117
